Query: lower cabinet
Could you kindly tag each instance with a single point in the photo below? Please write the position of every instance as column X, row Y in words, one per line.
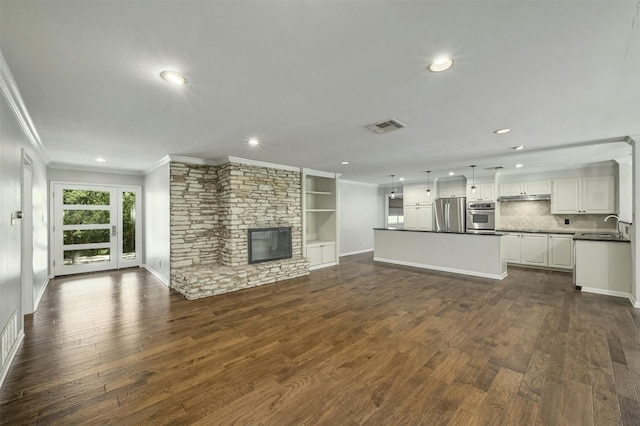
column 418, row 217
column 561, row 251
column 320, row 253
column 543, row 250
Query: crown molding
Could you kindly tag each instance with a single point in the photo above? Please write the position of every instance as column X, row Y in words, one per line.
column 194, row 160
column 90, row 169
column 14, row 99
column 164, row 160
column 354, row 182
column 261, row 164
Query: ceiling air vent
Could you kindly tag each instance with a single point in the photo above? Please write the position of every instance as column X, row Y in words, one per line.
column 495, row 168
column 386, row 126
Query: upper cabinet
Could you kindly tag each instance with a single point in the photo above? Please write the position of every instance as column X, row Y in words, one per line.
column 596, row 195
column 452, row 188
column 483, row 192
column 416, row 197
column 525, row 188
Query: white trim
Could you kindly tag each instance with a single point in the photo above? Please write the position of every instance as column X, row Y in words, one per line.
column 612, row 293
column 351, row 253
column 39, row 296
column 14, row 99
column 94, row 169
column 262, row 164
column 323, row 265
column 156, row 274
column 12, row 355
column 164, row 160
column 440, row 268
column 194, row 160
column 320, row 173
column 64, row 182
column 353, row 182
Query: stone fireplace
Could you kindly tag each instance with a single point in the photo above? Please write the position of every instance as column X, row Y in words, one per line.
column 212, row 210
column 267, row 244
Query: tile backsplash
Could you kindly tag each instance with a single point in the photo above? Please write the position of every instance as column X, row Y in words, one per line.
column 529, row 215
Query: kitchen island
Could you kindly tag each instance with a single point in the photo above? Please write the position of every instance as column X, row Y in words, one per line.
column 481, row 255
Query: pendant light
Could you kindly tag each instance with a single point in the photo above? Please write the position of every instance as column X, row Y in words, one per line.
column 393, row 189
column 428, row 183
column 473, row 185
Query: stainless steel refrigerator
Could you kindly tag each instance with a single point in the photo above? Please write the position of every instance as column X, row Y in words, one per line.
column 450, row 214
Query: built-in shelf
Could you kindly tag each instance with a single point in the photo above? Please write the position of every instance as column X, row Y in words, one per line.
column 321, row 224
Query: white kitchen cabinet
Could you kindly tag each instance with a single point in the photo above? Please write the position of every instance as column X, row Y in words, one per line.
column 452, row 192
column 534, row 249
column 604, row 267
column 483, row 192
column 512, row 248
column 416, row 197
column 321, row 252
column 525, row 188
column 560, row 251
column 418, row 217
column 595, row 195
column 526, row 249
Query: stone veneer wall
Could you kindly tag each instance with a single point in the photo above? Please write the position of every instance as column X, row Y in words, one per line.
column 195, row 219
column 212, row 207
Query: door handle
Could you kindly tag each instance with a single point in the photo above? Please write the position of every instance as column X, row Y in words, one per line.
column 113, row 231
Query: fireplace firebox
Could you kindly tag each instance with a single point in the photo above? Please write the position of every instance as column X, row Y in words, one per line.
column 266, row 244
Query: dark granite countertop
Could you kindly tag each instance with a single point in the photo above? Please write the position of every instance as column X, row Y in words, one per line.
column 499, row 234
column 599, row 236
column 536, row 231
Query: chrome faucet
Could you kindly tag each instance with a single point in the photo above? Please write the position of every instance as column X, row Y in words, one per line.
column 618, row 233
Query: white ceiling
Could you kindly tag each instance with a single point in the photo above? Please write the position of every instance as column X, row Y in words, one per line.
column 306, row 77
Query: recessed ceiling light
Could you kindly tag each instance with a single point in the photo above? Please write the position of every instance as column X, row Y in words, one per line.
column 518, row 148
column 401, row 179
column 344, row 163
column 502, row 131
column 173, row 77
column 441, row 64
column 451, row 173
column 99, row 160
column 517, row 166
column 253, row 141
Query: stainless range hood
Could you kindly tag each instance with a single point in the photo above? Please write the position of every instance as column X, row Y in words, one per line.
column 537, row 197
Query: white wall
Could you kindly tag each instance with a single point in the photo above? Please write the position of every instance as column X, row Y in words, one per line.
column 157, row 222
column 361, row 210
column 79, row 176
column 13, row 140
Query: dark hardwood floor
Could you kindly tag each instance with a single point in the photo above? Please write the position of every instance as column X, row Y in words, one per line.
column 362, row 343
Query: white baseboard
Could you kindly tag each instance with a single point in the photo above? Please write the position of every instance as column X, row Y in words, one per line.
column 610, row 293
column 156, row 274
column 322, row 265
column 39, row 297
column 12, row 355
column 442, row 269
column 351, row 253
column 634, row 302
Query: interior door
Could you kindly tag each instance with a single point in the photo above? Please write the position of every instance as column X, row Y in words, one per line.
column 85, row 228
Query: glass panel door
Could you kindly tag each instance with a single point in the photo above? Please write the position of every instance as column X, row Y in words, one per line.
column 96, row 228
column 131, row 230
column 85, row 229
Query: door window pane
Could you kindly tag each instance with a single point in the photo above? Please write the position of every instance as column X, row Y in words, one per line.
column 84, row 257
column 86, row 236
column 86, row 217
column 93, row 198
column 128, row 225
